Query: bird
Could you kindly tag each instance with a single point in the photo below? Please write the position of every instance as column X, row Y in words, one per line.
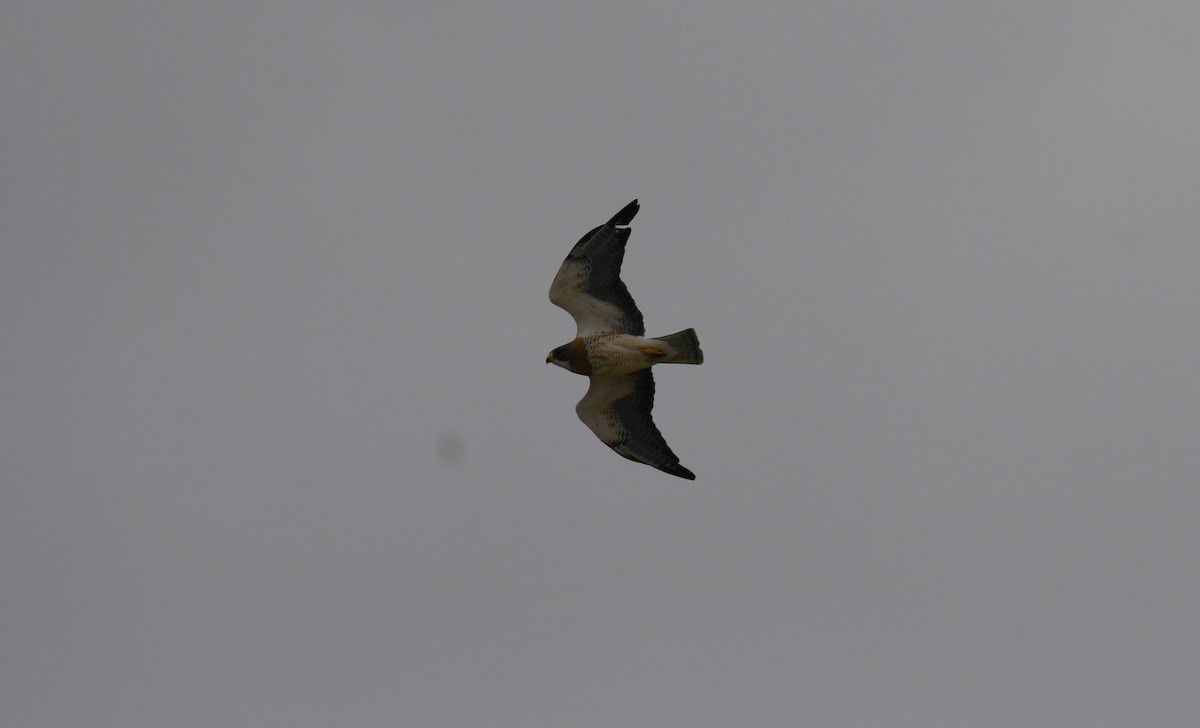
column 611, row 349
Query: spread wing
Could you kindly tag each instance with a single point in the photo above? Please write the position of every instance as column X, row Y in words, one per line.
column 589, row 286
column 617, row 409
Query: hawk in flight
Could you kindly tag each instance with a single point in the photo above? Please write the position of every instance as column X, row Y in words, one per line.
column 611, row 348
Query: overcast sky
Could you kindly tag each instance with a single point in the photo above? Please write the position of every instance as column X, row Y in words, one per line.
column 278, row 446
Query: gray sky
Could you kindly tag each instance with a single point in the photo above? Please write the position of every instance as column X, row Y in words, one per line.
column 278, row 446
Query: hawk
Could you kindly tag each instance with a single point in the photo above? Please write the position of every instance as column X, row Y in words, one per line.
column 611, row 349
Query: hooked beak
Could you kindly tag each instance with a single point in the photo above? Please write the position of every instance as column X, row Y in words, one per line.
column 548, row 357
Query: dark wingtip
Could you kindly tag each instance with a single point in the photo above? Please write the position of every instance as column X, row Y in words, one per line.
column 625, row 216
column 681, row 472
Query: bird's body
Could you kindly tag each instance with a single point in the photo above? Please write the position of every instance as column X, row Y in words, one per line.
column 611, row 348
column 606, row 355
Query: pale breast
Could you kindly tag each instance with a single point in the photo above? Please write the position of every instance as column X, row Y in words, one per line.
column 610, row 354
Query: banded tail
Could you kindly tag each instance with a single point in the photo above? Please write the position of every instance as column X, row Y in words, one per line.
column 684, row 346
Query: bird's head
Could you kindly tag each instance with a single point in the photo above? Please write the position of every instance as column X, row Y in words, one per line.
column 560, row 356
